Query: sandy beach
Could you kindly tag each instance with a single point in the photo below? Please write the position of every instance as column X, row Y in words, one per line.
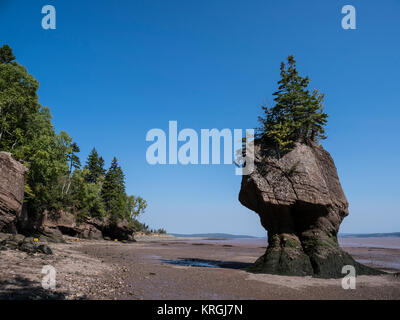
column 177, row 268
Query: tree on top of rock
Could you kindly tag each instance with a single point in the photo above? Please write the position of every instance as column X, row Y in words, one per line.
column 297, row 115
column 95, row 167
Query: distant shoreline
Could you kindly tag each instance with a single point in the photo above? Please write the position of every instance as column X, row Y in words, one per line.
column 369, row 235
column 216, row 236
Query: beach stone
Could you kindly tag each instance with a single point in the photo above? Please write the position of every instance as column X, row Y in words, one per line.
column 28, row 240
column 28, row 247
column 301, row 204
column 11, row 244
column 51, row 234
column 18, row 238
column 44, row 249
column 4, row 237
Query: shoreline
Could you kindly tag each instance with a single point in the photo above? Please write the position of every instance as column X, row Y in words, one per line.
column 164, row 268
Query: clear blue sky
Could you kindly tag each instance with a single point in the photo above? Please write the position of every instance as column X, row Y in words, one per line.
column 112, row 70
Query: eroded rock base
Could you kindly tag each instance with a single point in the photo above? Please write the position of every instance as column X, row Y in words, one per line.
column 319, row 256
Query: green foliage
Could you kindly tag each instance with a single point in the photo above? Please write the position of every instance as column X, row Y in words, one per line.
column 86, row 197
column 18, row 103
column 113, row 191
column 135, row 206
column 95, row 166
column 6, row 55
column 139, row 226
column 55, row 180
column 297, row 115
column 161, row 231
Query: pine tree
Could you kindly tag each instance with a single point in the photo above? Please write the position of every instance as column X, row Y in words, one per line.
column 6, row 54
column 297, row 115
column 113, row 191
column 94, row 166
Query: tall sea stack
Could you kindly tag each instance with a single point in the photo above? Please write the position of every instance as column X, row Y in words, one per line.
column 301, row 204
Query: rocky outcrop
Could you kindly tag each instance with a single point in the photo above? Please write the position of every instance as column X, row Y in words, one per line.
column 12, row 180
column 14, row 217
column 26, row 244
column 90, row 228
column 301, row 204
column 120, row 230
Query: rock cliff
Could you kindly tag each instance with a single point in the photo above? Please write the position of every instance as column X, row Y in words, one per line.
column 52, row 226
column 12, row 180
column 301, row 204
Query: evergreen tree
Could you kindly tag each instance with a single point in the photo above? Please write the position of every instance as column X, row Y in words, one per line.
column 27, row 132
column 297, row 115
column 6, row 54
column 54, row 180
column 18, row 101
column 113, row 192
column 94, row 166
column 86, row 197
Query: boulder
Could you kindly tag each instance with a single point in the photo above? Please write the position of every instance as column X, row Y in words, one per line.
column 4, row 237
column 120, row 230
column 67, row 224
column 28, row 247
column 301, row 204
column 60, row 219
column 51, row 234
column 12, row 180
column 44, row 249
column 89, row 231
column 58, row 223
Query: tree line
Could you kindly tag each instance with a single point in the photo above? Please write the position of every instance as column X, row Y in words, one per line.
column 56, row 180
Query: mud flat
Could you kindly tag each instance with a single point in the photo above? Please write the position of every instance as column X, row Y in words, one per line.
column 178, row 268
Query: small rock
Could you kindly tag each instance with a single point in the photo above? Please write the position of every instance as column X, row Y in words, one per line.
column 28, row 247
column 18, row 238
column 4, row 237
column 44, row 249
column 11, row 244
column 28, row 240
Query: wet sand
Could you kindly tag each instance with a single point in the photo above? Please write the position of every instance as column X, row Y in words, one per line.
column 162, row 270
column 155, row 268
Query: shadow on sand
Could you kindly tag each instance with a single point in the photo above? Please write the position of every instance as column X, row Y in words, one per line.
column 191, row 262
column 21, row 288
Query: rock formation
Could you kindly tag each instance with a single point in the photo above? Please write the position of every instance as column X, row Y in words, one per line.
column 14, row 218
column 301, row 204
column 26, row 244
column 12, row 179
column 90, row 228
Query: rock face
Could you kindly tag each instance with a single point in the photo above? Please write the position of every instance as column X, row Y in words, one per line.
column 114, row 230
column 13, row 217
column 301, row 204
column 12, row 180
column 90, row 228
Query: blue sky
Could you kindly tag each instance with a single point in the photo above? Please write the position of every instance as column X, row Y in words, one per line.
column 112, row 70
